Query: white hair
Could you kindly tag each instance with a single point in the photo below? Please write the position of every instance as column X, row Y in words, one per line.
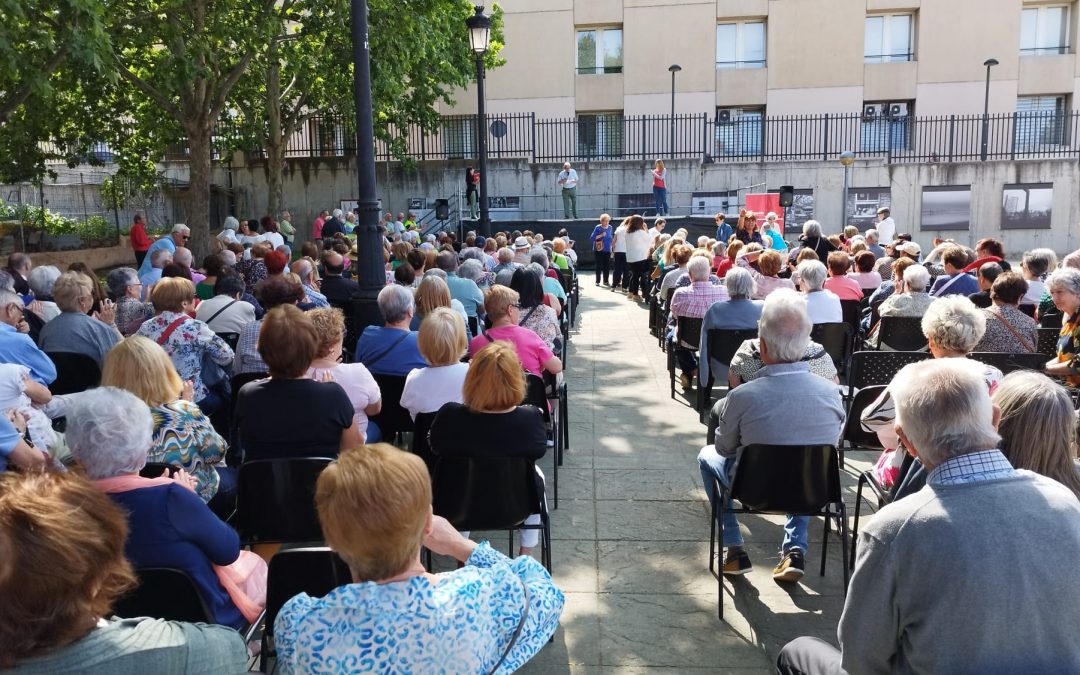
column 740, row 283
column 785, row 325
column 811, row 228
column 505, row 255
column 917, row 277
column 1065, row 279
column 872, row 236
column 181, row 228
column 231, row 223
column 229, row 257
column 395, row 303
column 954, row 323
column 699, row 268
column 182, row 256
column 338, row 213
column 41, row 280
column 471, row 269
column 109, row 431
column 1040, row 261
column 812, row 275
column 922, row 391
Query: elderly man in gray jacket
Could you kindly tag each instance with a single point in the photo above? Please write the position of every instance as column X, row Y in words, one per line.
column 785, row 404
column 975, row 572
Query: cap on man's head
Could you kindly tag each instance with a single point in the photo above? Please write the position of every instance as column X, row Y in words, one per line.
column 909, row 247
column 521, row 242
column 883, row 209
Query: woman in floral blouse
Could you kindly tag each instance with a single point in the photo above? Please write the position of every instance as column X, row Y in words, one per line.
column 253, row 269
column 1064, row 288
column 185, row 340
column 183, row 435
column 490, row 616
column 535, row 315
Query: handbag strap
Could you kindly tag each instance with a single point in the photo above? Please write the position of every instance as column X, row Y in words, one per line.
column 1012, row 329
column 169, row 331
column 517, row 631
column 218, row 313
column 528, row 314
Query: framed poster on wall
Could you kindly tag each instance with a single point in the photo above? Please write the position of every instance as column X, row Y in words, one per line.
column 863, row 205
column 946, row 207
column 1027, row 206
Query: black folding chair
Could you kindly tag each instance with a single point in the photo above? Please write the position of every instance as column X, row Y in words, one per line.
column 902, row 334
column 1008, row 363
column 1028, row 309
column 870, row 368
column 491, row 493
column 854, row 435
column 1048, row 342
column 231, row 339
column 74, row 373
column 1051, row 320
column 236, row 449
column 392, row 419
column 688, row 334
column 420, row 446
column 164, row 593
column 867, row 479
column 801, row 480
column 538, row 395
column 275, row 500
column 315, row 571
column 722, row 344
column 836, row 339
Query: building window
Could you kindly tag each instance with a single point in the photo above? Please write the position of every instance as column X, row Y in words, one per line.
column 740, row 45
column 600, row 135
column 886, row 126
column 599, row 51
column 459, row 136
column 739, row 131
column 1040, row 121
column 1044, row 30
column 889, row 38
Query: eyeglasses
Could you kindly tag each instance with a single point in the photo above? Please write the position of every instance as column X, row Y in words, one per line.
column 185, row 238
column 21, row 309
column 516, row 305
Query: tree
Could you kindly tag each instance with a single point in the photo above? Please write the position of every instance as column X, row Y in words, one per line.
column 180, row 60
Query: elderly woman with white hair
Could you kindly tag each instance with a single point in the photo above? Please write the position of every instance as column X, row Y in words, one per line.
column 1036, row 265
column 1064, row 288
column 391, row 349
column 124, row 288
column 74, row 330
column 473, row 270
column 822, row 304
column 109, row 431
column 813, row 239
column 953, row 325
column 41, row 281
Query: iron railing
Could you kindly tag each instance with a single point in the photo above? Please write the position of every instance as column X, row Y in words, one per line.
column 711, row 137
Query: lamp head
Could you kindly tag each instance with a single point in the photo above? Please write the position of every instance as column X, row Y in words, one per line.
column 847, row 158
column 990, row 62
column 479, row 31
column 674, row 68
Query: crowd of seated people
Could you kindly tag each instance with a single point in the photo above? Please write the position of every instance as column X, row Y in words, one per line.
column 160, row 442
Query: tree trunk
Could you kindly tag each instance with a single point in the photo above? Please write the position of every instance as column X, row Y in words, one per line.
column 198, row 197
column 275, row 165
column 273, row 145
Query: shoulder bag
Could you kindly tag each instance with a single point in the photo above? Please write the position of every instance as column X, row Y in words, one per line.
column 1012, row 329
column 517, row 631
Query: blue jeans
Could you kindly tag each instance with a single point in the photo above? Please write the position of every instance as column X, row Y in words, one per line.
column 713, row 465
column 660, row 195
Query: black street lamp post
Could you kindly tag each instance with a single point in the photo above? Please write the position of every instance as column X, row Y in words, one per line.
column 989, row 63
column 479, row 35
column 673, row 68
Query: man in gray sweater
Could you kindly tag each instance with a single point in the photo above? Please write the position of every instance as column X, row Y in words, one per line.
column 976, row 572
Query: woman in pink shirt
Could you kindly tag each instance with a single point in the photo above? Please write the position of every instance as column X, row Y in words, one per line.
column 865, row 275
column 503, row 307
column 843, row 286
column 659, row 187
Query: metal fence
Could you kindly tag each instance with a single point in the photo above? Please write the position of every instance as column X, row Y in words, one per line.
column 711, row 137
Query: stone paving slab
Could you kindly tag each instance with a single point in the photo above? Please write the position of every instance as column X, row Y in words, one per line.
column 631, row 534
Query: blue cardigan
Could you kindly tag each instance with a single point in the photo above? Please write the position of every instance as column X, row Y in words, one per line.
column 170, row 526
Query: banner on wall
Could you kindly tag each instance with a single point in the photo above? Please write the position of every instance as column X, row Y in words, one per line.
column 761, row 204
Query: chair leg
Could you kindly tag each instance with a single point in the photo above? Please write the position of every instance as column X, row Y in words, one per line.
column 671, row 370
column 564, row 407
column 721, row 499
column 825, row 543
column 843, row 543
column 546, row 534
column 855, row 525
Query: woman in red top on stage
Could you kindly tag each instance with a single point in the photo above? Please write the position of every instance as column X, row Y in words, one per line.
column 139, row 241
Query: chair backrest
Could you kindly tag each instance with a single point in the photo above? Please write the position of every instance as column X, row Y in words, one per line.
column 231, row 339
column 1051, row 320
column 797, row 479
column 275, row 500
column 835, row 338
column 724, row 342
column 536, row 394
column 484, row 493
column 1028, row 309
column 1008, row 363
column 869, row 368
column 689, row 331
column 852, row 313
column 1048, row 340
column 315, row 571
column 902, row 333
column 420, row 446
column 566, row 278
column 853, row 431
column 74, row 373
column 392, row 418
column 164, row 593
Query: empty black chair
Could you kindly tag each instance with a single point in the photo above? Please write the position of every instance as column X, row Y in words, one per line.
column 164, row 593
column 721, row 343
column 315, row 571
column 74, row 373
column 801, row 480
column 236, row 452
column 689, row 337
column 491, row 493
column 275, row 500
column 420, row 446
column 836, row 339
column 1051, row 320
column 869, row 368
column 854, row 435
column 902, row 334
column 1007, row 363
column 392, row 419
column 1048, row 341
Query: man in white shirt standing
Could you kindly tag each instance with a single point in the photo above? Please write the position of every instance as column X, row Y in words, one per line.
column 568, row 181
column 886, row 226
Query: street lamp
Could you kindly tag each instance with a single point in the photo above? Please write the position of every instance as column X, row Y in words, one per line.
column 369, row 241
column 673, row 68
column 479, row 36
column 847, row 158
column 989, row 63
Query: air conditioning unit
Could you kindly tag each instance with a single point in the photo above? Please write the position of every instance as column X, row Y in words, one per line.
column 898, row 110
column 723, row 117
column 871, row 111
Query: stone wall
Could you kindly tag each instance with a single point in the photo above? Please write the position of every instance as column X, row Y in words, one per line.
column 97, row 258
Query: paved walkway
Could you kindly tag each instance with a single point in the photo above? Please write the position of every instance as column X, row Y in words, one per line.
column 631, row 534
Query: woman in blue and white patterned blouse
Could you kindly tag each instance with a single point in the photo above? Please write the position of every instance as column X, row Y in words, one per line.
column 397, row 617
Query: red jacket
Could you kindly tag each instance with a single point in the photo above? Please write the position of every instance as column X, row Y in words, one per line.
column 139, row 241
